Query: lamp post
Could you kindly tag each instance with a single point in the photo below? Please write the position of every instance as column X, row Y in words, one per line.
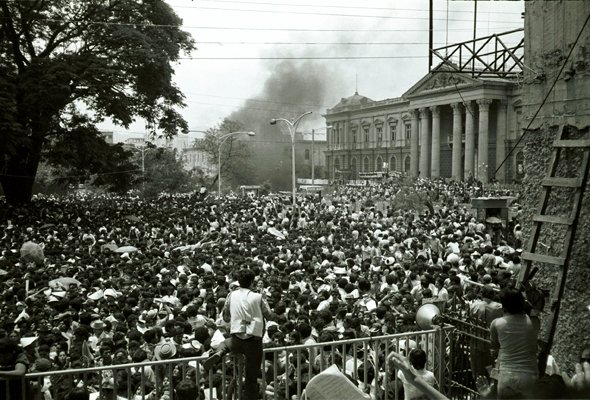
column 292, row 128
column 221, row 139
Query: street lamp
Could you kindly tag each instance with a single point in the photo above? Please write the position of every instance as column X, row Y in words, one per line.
column 221, row 139
column 292, row 128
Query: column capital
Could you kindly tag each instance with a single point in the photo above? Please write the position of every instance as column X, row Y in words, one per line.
column 435, row 111
column 423, row 112
column 484, row 103
column 468, row 106
column 456, row 107
column 413, row 112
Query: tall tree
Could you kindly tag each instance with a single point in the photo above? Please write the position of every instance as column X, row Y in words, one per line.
column 236, row 167
column 79, row 154
column 164, row 172
column 63, row 58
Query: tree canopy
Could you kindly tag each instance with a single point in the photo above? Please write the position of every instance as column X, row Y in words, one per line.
column 63, row 61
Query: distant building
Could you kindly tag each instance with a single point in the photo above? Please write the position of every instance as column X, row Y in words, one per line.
column 108, row 136
column 192, row 158
column 134, row 142
column 446, row 125
column 308, row 149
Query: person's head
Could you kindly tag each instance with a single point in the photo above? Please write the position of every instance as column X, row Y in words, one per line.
column 245, row 278
column 78, row 394
column 186, row 390
column 512, row 301
column 585, row 355
column 417, row 358
column 9, row 350
column 487, row 292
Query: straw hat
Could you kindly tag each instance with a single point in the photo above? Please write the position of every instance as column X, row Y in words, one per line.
column 165, row 351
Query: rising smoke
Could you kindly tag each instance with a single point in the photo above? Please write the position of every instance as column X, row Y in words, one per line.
column 294, row 87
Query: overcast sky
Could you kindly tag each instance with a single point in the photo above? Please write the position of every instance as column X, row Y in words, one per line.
column 377, row 46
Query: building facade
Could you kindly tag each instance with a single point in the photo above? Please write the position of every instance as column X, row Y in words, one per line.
column 310, row 150
column 447, row 125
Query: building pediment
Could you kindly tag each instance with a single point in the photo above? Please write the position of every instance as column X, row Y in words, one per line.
column 439, row 80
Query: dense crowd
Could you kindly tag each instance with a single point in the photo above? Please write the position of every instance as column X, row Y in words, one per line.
column 125, row 279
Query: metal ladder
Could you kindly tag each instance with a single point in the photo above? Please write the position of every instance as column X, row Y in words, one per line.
column 578, row 184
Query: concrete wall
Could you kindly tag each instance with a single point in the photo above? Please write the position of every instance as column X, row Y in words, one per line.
column 550, row 30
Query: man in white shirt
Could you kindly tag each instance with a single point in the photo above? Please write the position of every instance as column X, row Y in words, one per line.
column 245, row 310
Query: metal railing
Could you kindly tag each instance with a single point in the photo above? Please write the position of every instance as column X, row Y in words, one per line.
column 285, row 371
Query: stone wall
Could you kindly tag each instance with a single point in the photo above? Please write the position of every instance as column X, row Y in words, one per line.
column 574, row 320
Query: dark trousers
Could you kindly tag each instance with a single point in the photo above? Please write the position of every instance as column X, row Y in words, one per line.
column 251, row 348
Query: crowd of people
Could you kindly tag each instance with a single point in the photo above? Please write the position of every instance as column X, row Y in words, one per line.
column 124, row 279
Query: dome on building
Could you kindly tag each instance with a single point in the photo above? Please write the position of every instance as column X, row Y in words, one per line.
column 354, row 100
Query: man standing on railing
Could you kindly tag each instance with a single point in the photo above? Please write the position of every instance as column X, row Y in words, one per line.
column 245, row 310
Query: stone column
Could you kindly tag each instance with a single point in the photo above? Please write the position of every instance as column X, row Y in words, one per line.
column 483, row 138
column 414, row 145
column 425, row 146
column 456, row 170
column 501, row 128
column 435, row 153
column 469, row 140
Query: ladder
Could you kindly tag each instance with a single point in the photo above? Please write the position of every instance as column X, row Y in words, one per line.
column 530, row 256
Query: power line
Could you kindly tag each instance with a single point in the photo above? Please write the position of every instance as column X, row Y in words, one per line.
column 304, row 58
column 334, row 14
column 343, row 6
column 317, row 43
column 256, row 100
column 526, row 130
column 105, row 23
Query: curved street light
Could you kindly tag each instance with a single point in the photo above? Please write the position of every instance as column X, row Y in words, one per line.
column 292, row 128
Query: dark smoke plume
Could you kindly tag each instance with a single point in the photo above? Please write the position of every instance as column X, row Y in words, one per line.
column 293, row 88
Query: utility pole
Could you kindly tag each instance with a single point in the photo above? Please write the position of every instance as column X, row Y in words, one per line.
column 312, row 157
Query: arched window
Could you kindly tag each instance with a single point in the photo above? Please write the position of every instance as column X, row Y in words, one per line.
column 337, row 164
column 407, row 164
column 306, row 154
column 379, row 164
column 366, row 164
column 353, row 168
column 392, row 164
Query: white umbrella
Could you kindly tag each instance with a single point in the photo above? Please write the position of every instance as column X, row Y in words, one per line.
column 32, row 252
column 126, row 249
column 275, row 232
column 64, row 281
column 494, row 220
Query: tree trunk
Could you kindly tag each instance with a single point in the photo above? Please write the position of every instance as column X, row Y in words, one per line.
column 19, row 175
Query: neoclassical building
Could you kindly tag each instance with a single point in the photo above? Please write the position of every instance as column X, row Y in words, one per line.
column 446, row 125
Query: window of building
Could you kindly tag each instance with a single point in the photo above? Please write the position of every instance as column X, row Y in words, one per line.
column 366, row 131
column 354, row 136
column 306, row 154
column 408, row 131
column 379, row 134
column 392, row 132
column 392, row 163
